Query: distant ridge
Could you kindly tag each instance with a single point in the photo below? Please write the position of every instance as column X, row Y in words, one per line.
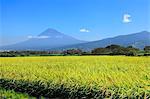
column 138, row 40
column 52, row 39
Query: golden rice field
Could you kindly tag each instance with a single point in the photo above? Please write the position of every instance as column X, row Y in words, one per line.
column 95, row 77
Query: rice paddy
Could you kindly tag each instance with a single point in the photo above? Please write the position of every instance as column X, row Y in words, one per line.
column 77, row 76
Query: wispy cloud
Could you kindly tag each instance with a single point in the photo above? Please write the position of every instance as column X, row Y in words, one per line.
column 84, row 30
column 39, row 37
column 126, row 18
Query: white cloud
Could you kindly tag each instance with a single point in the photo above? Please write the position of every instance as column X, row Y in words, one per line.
column 30, row 37
column 39, row 37
column 84, row 30
column 126, row 18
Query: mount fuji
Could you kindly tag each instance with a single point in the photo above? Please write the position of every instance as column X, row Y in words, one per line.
column 48, row 39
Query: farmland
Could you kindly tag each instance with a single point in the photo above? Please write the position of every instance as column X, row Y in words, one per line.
column 77, row 76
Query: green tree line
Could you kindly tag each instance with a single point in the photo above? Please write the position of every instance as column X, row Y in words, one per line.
column 108, row 50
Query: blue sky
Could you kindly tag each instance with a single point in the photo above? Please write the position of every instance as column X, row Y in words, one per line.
column 83, row 19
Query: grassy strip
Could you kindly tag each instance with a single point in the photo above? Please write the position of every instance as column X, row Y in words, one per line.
column 38, row 89
column 11, row 94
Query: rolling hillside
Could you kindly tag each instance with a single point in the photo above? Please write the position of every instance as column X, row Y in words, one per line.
column 138, row 40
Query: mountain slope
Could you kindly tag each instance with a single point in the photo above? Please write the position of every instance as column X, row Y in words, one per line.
column 138, row 40
column 50, row 38
column 54, row 40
